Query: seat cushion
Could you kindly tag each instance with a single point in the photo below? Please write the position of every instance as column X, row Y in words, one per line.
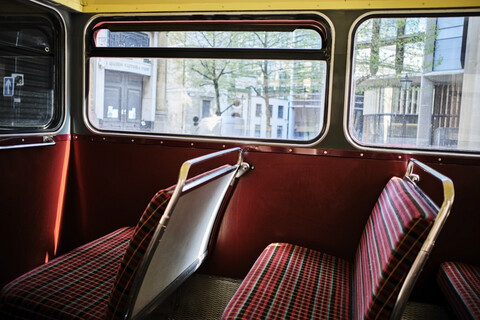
column 460, row 283
column 393, row 235
column 292, row 282
column 76, row 285
column 119, row 302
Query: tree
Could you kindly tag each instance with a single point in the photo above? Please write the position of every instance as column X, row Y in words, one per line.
column 213, row 70
column 267, row 78
column 382, row 45
column 283, row 79
column 199, row 73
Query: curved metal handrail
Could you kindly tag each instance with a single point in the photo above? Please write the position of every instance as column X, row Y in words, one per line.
column 229, row 172
column 442, row 215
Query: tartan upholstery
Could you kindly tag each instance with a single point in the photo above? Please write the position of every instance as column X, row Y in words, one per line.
column 292, row 282
column 136, row 249
column 394, row 233
column 76, row 285
column 100, row 289
column 460, row 283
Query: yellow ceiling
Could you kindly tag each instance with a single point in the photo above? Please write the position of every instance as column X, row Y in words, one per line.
column 100, row 6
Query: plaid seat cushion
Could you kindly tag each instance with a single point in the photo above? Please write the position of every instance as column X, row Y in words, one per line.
column 460, row 283
column 76, row 285
column 117, row 307
column 292, row 282
column 393, row 235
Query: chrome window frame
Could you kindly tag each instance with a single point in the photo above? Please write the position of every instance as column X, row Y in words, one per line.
column 349, row 73
column 193, row 16
column 60, row 113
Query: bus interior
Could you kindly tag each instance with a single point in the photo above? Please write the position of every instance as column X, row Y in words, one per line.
column 316, row 104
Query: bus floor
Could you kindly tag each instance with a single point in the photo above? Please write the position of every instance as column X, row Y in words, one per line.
column 204, row 297
column 201, row 297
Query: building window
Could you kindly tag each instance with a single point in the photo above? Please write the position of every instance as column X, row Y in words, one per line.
column 279, row 132
column 402, row 63
column 258, row 110
column 207, row 59
column 280, row 112
column 128, row 39
column 206, row 107
column 449, row 44
column 257, row 130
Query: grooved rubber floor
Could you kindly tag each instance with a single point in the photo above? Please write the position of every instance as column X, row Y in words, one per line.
column 204, row 297
column 201, row 297
column 417, row 311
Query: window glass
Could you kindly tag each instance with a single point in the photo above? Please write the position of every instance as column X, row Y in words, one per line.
column 388, row 28
column 414, row 25
column 27, row 74
column 415, row 83
column 237, row 100
column 447, row 43
column 297, row 39
column 215, row 83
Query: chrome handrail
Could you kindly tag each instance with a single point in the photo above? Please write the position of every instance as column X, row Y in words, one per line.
column 182, row 187
column 442, row 215
column 187, row 165
column 46, row 141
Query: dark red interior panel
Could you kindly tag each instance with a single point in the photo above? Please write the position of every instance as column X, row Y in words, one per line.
column 112, row 182
column 31, row 188
column 305, row 196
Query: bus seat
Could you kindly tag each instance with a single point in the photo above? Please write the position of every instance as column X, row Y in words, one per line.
column 460, row 284
column 123, row 274
column 53, row 290
column 292, row 282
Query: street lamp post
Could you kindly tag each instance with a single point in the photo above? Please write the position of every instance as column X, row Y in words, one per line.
column 406, row 83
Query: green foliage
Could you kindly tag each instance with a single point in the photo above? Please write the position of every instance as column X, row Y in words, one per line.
column 389, row 48
column 265, row 78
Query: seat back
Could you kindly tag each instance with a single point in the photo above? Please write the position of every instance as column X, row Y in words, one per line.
column 171, row 239
column 393, row 237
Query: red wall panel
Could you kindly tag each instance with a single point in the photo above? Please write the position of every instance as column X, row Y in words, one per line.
column 305, row 196
column 31, row 200
column 111, row 183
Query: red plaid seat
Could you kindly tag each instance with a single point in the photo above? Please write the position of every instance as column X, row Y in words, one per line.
column 460, row 283
column 90, row 282
column 117, row 306
column 76, row 285
column 291, row 282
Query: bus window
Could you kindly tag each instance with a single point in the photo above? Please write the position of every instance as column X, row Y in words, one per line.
column 414, row 83
column 28, row 65
column 249, row 80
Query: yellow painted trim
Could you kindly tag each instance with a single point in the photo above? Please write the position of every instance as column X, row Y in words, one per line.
column 124, row 6
column 77, row 5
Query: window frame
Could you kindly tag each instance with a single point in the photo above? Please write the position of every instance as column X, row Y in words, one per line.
column 350, row 97
column 214, row 22
column 52, row 19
